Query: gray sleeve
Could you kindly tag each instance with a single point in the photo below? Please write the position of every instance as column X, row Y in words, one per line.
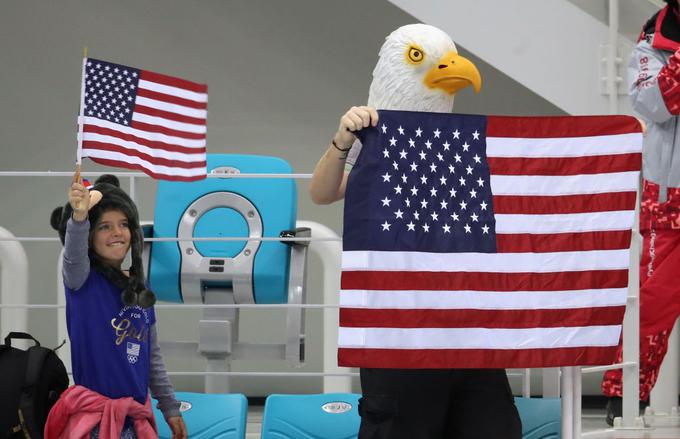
column 353, row 155
column 159, row 383
column 643, row 71
column 76, row 262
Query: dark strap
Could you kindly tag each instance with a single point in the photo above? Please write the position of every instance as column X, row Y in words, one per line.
column 34, row 366
column 19, row 335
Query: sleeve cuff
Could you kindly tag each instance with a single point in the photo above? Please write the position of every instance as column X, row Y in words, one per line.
column 171, row 410
column 78, row 225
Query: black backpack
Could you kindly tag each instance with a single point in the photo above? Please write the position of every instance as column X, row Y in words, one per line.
column 31, row 381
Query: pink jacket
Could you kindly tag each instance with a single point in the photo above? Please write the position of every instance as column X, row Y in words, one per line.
column 80, row 409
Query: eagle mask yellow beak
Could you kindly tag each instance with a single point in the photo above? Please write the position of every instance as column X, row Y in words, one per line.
column 453, row 72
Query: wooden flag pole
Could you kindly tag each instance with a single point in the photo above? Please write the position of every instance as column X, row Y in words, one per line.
column 79, row 152
column 77, row 178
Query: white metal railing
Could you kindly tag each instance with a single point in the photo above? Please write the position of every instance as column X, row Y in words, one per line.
column 142, row 175
column 216, row 239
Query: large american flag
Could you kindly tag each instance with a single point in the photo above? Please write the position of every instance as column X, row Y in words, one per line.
column 475, row 241
column 142, row 120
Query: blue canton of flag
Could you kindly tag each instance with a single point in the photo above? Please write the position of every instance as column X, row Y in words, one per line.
column 110, row 91
column 421, row 182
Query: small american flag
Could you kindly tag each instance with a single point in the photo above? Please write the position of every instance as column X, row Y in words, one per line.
column 142, row 120
column 488, row 242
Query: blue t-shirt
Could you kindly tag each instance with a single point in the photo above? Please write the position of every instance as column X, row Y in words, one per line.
column 110, row 349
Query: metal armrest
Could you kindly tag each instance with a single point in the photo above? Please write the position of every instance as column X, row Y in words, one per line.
column 298, row 232
column 297, row 295
column 147, row 232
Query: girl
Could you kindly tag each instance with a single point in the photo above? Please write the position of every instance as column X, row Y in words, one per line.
column 110, row 320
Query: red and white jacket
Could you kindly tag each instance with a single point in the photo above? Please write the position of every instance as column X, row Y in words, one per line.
column 654, row 77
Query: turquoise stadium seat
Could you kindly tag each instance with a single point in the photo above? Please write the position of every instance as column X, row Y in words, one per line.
column 320, row 416
column 243, row 270
column 304, row 417
column 209, row 416
column 541, row 417
column 224, row 207
column 227, row 272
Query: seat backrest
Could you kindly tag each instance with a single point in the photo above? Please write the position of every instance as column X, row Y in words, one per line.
column 541, row 417
column 274, row 199
column 208, row 416
column 319, row 416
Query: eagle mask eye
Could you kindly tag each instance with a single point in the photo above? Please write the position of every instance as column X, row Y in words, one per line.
column 415, row 55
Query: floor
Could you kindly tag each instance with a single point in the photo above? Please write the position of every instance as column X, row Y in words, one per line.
column 254, row 422
column 592, row 424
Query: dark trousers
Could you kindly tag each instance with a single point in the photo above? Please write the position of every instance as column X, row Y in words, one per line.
column 437, row 404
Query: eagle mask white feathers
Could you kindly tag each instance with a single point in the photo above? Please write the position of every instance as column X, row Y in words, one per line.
column 419, row 69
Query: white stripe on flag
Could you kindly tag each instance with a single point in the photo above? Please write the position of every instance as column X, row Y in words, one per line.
column 154, row 137
column 179, row 126
column 384, row 299
column 175, row 91
column 565, row 223
column 157, row 169
column 478, row 338
column 564, row 184
column 173, row 108
column 563, row 146
column 154, row 152
column 361, row 260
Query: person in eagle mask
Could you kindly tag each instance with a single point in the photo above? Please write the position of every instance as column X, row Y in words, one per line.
column 418, row 69
column 654, row 78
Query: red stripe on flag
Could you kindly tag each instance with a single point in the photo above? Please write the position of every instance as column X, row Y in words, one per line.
column 168, row 115
column 565, row 165
column 173, row 81
column 475, row 358
column 560, row 126
column 555, row 204
column 562, row 242
column 171, row 99
column 480, row 318
column 140, row 141
column 156, row 175
column 167, row 131
column 438, row 281
column 158, row 161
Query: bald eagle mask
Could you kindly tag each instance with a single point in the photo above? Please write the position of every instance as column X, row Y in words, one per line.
column 419, row 69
